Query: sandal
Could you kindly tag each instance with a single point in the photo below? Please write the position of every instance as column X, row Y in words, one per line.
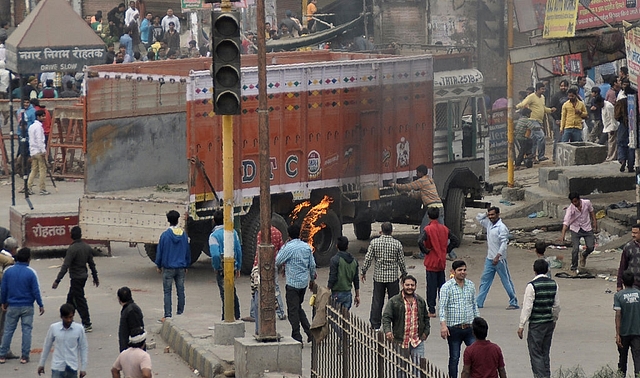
column 3, row 360
column 24, row 360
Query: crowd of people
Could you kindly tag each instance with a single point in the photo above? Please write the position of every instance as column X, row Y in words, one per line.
column 20, row 289
column 582, row 112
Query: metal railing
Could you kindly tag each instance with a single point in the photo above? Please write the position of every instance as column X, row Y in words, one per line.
column 352, row 349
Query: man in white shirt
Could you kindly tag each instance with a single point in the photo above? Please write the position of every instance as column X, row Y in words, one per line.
column 170, row 18
column 38, row 150
column 130, row 13
column 610, row 127
column 71, row 348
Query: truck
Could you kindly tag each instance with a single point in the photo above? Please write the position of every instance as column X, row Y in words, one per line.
column 343, row 126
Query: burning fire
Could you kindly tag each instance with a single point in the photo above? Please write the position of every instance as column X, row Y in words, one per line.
column 308, row 227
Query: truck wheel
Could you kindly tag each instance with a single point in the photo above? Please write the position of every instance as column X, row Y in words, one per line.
column 362, row 230
column 250, row 229
column 324, row 240
column 150, row 249
column 196, row 246
column 454, row 211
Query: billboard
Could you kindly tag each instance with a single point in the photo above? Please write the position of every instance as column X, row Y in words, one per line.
column 560, row 19
column 632, row 47
column 611, row 11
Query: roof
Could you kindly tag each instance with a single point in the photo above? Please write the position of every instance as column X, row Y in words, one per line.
column 53, row 23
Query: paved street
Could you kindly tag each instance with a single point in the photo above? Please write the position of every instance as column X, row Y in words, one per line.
column 584, row 336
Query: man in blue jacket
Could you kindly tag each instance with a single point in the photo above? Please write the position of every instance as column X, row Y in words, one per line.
column 216, row 248
column 19, row 290
column 173, row 257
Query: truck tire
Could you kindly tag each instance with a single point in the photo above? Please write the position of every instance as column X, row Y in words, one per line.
column 325, row 240
column 197, row 246
column 362, row 230
column 454, row 211
column 250, row 229
column 150, row 249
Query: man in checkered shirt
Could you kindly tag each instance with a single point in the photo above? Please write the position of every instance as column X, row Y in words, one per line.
column 389, row 258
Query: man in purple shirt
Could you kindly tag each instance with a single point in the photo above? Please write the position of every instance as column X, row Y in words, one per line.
column 581, row 220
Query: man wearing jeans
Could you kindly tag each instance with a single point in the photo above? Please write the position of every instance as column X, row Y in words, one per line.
column 574, row 112
column 389, row 266
column 343, row 274
column 216, row 249
column 496, row 261
column 18, row 291
column 458, row 308
column 580, row 219
column 540, row 308
column 300, row 271
column 173, row 257
column 70, row 350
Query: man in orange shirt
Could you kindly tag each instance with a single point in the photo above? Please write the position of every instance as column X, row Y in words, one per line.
column 311, row 10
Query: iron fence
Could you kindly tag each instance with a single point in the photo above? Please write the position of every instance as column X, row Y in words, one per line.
column 353, row 350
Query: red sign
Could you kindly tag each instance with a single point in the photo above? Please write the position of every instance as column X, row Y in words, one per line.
column 48, row 231
column 568, row 65
column 611, row 11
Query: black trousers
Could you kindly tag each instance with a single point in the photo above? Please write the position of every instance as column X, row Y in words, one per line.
column 77, row 299
column 633, row 342
column 379, row 289
column 294, row 298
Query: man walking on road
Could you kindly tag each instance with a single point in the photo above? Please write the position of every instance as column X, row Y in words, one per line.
column 18, row 291
column 425, row 189
column 300, row 271
column 630, row 258
column 496, row 261
column 458, row 308
column 387, row 253
column 580, row 219
column 79, row 255
column 433, row 243
column 343, row 275
column 216, row 249
column 483, row 358
column 134, row 362
column 131, row 318
column 173, row 258
column 540, row 308
column 70, row 347
column 626, row 304
column 405, row 319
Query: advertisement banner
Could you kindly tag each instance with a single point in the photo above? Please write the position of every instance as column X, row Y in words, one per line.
column 632, row 46
column 611, row 11
column 498, row 144
column 570, row 65
column 192, row 4
column 632, row 112
column 560, row 19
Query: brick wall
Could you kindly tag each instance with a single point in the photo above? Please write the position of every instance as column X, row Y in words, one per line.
column 403, row 23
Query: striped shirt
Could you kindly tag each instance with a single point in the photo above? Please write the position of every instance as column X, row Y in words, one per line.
column 458, row 304
column 423, row 188
column 300, row 265
column 411, row 336
column 389, row 257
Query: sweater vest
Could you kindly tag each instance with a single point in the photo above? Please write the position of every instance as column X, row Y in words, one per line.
column 545, row 295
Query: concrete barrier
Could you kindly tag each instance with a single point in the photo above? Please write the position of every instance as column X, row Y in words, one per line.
column 580, row 153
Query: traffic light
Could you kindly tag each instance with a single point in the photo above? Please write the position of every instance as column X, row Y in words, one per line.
column 226, row 49
column 491, row 24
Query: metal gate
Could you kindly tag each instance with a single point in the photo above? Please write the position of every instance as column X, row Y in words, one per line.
column 353, row 350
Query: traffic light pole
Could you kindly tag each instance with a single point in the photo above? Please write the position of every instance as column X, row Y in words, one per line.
column 266, row 254
column 510, row 131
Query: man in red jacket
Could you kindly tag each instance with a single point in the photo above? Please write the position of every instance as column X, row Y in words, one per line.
column 433, row 243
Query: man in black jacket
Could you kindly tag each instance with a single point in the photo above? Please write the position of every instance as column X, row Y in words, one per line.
column 79, row 254
column 131, row 318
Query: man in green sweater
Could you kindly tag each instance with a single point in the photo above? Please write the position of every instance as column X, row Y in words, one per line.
column 343, row 274
column 407, row 308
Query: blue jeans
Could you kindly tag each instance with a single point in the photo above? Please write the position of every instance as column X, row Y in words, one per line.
column 537, row 137
column 342, row 298
column 279, row 309
column 67, row 373
column 236, row 302
column 572, row 135
column 456, row 337
column 25, row 315
column 426, row 220
column 168, row 277
column 416, row 354
column 487, row 279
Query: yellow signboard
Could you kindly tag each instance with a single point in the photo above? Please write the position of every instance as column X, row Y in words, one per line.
column 560, row 19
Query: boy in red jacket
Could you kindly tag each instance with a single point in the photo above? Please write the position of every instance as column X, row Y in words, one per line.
column 433, row 243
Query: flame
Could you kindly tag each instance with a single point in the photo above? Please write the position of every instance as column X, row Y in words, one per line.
column 297, row 209
column 309, row 228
